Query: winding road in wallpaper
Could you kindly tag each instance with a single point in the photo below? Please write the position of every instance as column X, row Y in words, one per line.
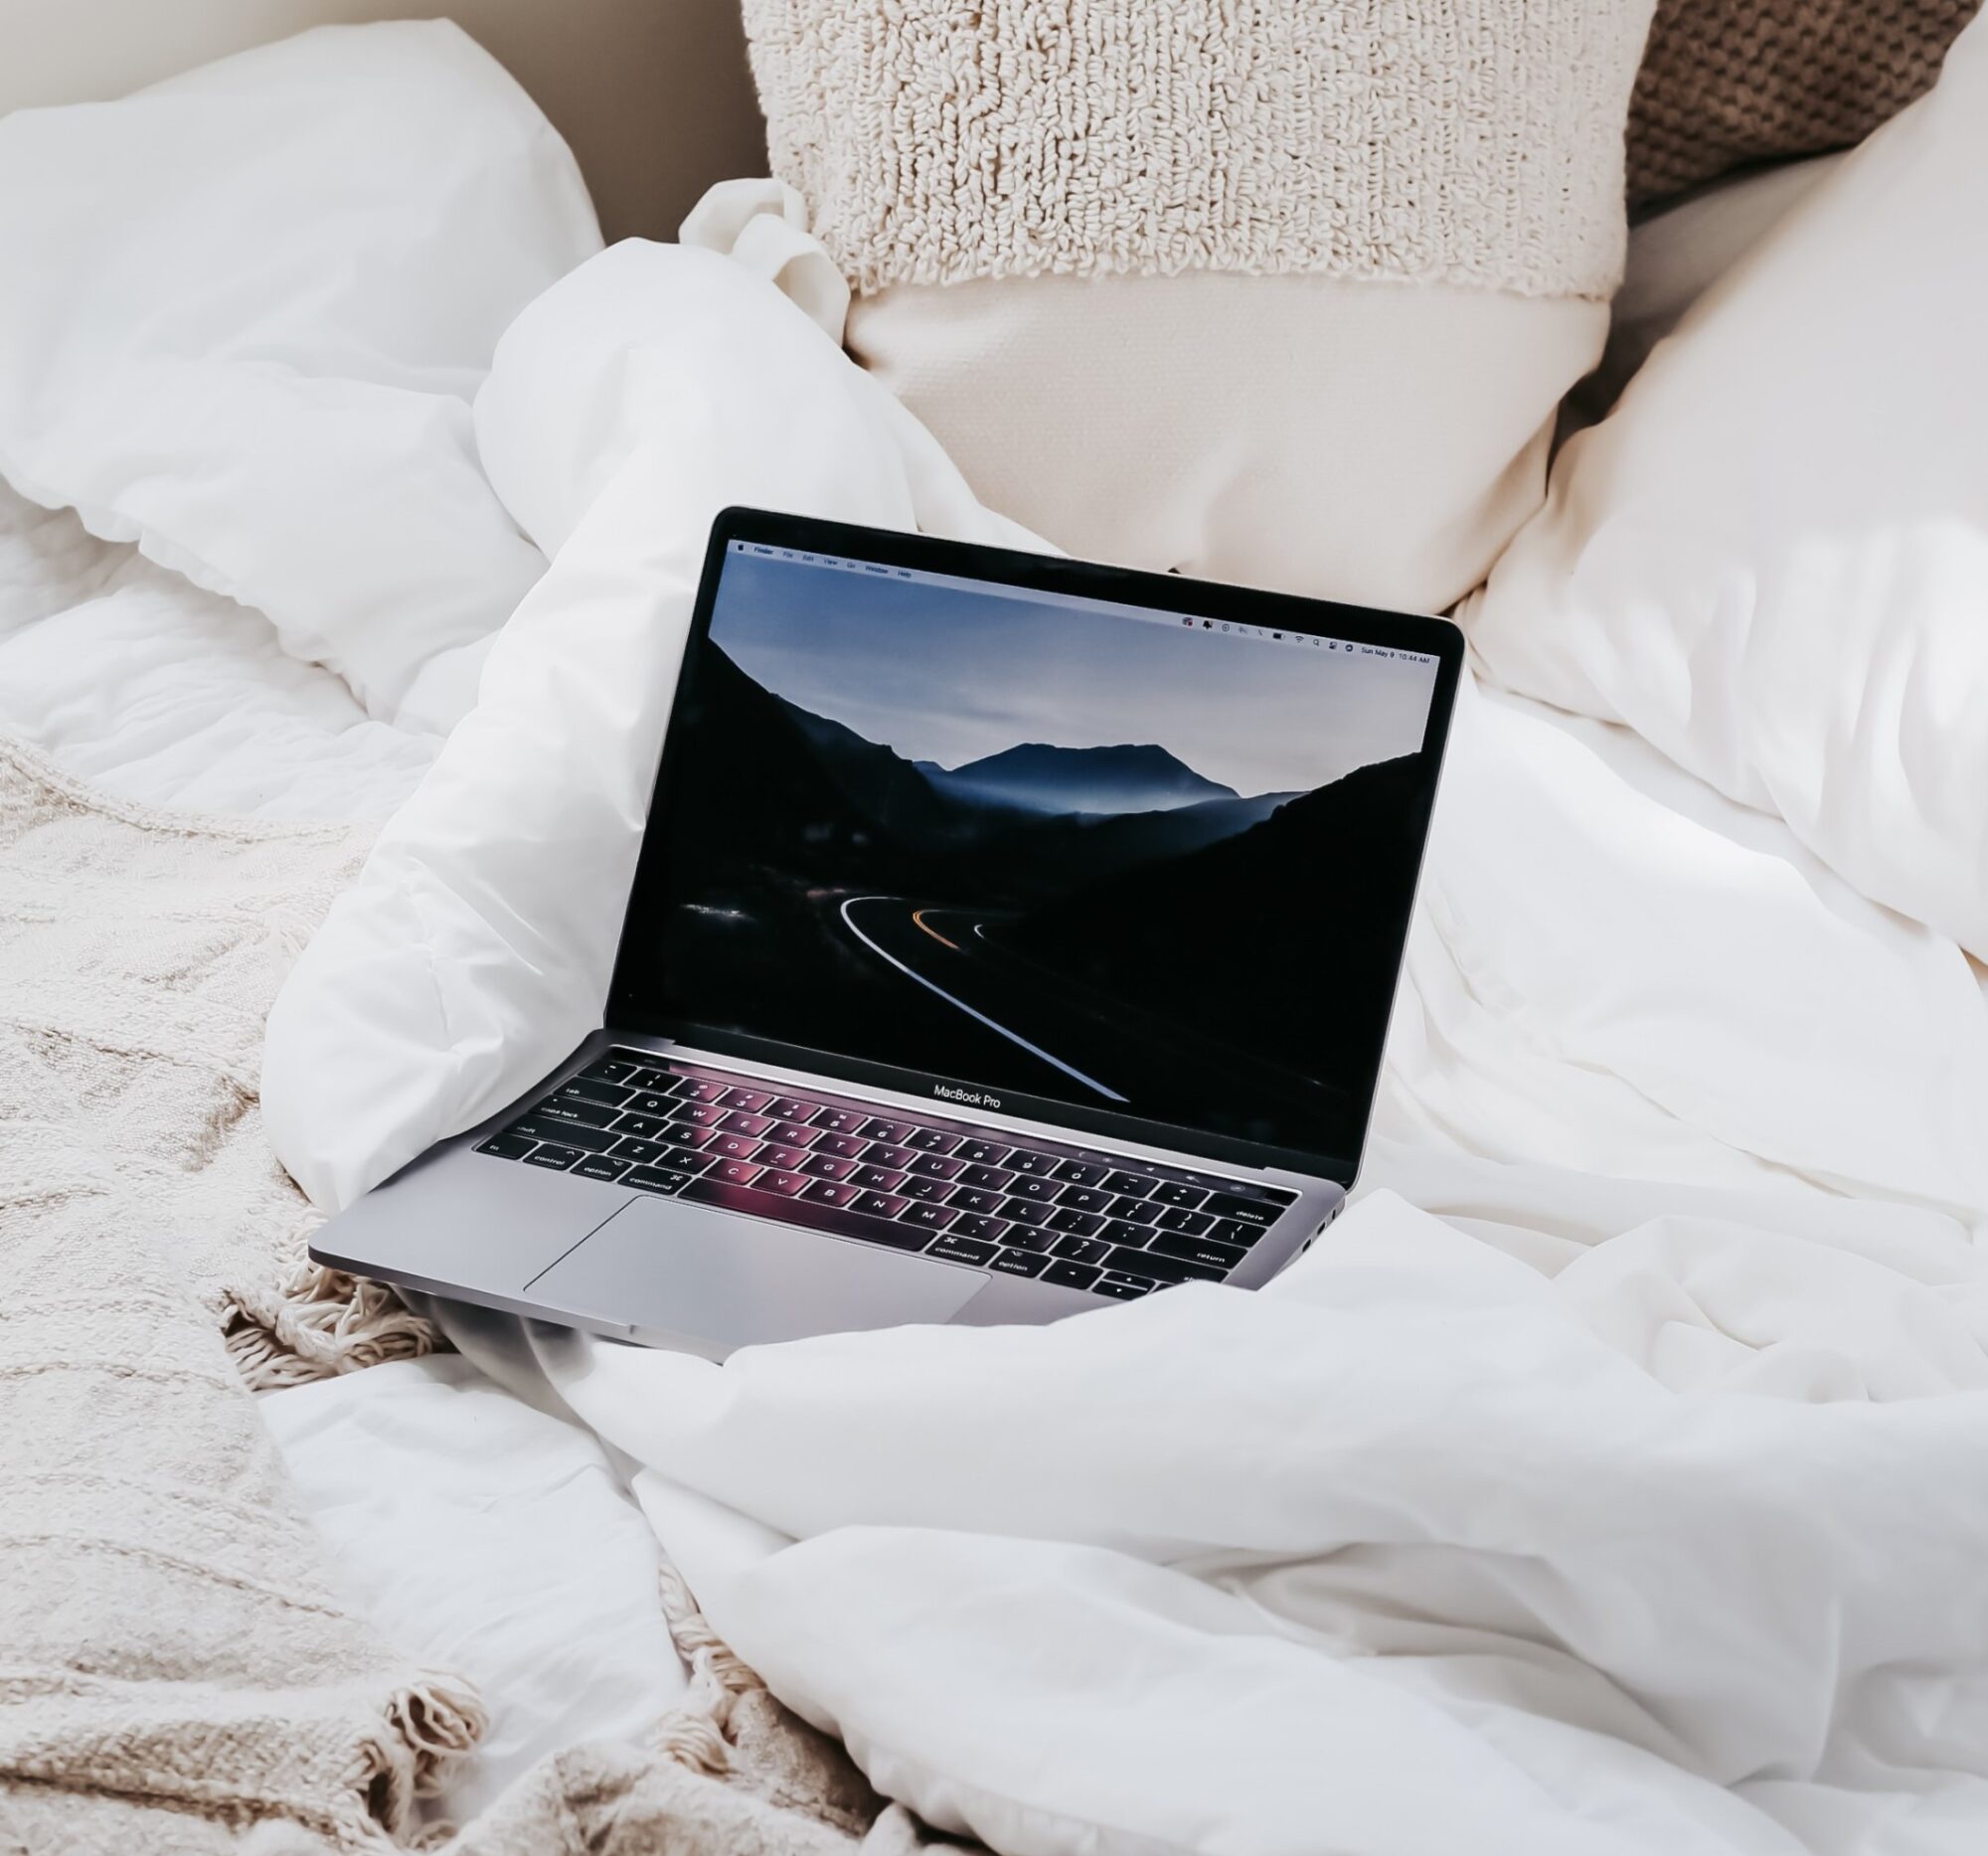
column 946, row 950
column 1087, row 1039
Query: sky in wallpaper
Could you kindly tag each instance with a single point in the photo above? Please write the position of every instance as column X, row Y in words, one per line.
column 953, row 674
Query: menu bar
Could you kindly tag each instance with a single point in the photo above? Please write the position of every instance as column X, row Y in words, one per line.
column 1297, row 640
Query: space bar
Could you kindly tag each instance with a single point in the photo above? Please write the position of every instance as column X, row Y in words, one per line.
column 785, row 1211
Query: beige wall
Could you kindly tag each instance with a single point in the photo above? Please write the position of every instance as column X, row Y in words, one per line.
column 652, row 94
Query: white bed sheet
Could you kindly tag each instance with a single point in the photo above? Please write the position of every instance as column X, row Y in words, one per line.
column 494, row 1540
column 141, row 681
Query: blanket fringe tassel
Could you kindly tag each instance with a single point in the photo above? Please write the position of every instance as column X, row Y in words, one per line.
column 424, row 1729
column 422, row 1732
column 320, row 1323
column 694, row 1735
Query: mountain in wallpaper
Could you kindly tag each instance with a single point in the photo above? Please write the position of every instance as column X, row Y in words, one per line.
column 1032, row 818
column 1036, row 777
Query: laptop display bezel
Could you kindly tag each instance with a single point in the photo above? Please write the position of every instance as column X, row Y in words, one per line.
column 632, row 1005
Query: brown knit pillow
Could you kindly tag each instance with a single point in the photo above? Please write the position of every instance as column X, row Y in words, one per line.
column 1728, row 82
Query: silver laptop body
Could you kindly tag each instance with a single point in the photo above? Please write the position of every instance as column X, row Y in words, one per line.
column 1011, row 935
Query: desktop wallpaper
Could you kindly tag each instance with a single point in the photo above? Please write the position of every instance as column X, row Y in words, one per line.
column 1098, row 855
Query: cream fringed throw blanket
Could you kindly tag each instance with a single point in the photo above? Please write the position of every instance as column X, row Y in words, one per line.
column 176, row 1674
column 174, row 1669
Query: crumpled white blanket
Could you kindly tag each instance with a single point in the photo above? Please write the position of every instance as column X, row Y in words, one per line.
column 1669, row 1547
column 1626, row 1495
column 1418, row 1551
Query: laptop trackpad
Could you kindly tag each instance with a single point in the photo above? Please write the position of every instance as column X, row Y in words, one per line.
column 668, row 1268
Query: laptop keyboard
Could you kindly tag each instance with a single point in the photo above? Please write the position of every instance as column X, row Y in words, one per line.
column 959, row 1195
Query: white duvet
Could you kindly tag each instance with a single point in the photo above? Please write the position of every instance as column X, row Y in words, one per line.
column 1614, row 1478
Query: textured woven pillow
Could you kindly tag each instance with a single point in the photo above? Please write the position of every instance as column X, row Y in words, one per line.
column 1724, row 83
column 1261, row 291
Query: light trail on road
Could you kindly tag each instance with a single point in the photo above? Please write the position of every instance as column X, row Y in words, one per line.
column 1013, row 1037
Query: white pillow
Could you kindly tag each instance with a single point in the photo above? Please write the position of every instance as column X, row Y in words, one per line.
column 1674, row 258
column 1771, row 559
column 246, row 312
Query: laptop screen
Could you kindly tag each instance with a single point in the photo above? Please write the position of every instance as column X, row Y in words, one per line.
column 1036, row 847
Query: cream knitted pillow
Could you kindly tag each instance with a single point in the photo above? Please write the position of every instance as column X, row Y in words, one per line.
column 1266, row 291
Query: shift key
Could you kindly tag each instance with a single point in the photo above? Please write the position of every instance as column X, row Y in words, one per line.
column 1160, row 1268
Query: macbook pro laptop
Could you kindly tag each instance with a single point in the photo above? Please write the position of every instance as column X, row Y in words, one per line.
column 1010, row 937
